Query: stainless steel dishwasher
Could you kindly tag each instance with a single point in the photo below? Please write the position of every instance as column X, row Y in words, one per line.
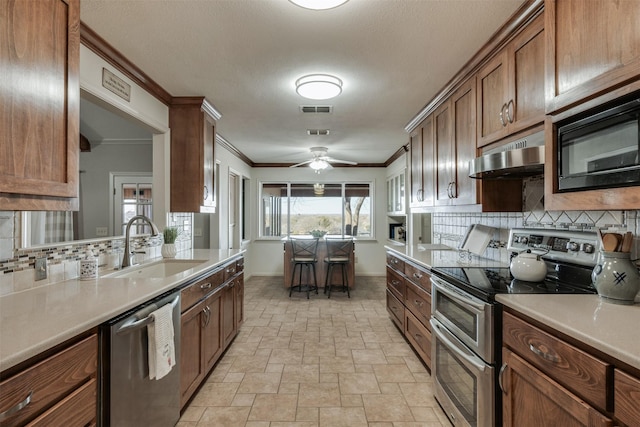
column 128, row 396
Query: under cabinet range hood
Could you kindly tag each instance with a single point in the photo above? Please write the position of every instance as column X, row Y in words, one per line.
column 522, row 157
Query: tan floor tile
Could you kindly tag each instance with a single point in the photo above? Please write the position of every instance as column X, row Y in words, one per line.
column 393, row 374
column 335, row 364
column 286, row 355
column 424, row 414
column 328, row 378
column 319, row 395
column 422, row 377
column 256, row 424
column 274, row 407
column 368, row 357
column 399, row 349
column 386, row 407
column 301, row 374
column 349, row 400
column 295, row 424
column 226, row 416
column 274, row 342
column 358, row 384
column 289, row 388
column 419, row 394
column 319, row 349
column 215, row 394
column 193, row 413
column 267, row 382
column 243, row 399
column 274, row 367
column 390, row 388
column 186, row 424
column 307, row 414
column 342, row 417
column 233, row 377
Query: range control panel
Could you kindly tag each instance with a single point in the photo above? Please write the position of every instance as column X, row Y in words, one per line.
column 580, row 247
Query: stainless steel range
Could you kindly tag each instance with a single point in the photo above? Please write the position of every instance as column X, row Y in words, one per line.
column 466, row 321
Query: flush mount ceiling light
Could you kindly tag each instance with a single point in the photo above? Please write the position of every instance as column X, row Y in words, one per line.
column 318, row 86
column 318, row 4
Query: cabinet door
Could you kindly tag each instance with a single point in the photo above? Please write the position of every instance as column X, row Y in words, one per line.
column 526, row 54
column 39, row 113
column 531, row 398
column 415, row 154
column 592, row 46
column 211, row 329
column 493, row 93
column 445, row 155
column 626, row 395
column 192, row 368
column 228, row 312
column 463, row 105
column 239, row 299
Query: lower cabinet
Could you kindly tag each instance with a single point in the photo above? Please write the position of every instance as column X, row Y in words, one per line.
column 547, row 381
column 409, row 303
column 626, row 398
column 59, row 390
column 207, row 327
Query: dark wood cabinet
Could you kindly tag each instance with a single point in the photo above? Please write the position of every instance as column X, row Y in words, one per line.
column 59, row 390
column 40, row 132
column 421, row 153
column 532, row 398
column 626, row 398
column 511, row 86
column 209, row 324
column 193, row 131
column 592, row 46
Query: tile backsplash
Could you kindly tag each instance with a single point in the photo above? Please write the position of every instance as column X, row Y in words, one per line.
column 449, row 229
column 17, row 265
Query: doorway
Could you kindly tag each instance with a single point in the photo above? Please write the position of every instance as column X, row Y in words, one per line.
column 132, row 195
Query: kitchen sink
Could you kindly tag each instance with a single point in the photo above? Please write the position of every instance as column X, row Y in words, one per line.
column 163, row 268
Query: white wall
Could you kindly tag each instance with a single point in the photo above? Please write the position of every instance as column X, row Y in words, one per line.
column 266, row 256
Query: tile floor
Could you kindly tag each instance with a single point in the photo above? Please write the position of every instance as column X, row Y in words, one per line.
column 318, row 362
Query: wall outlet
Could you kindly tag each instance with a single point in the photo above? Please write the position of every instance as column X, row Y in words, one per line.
column 102, row 231
column 41, row 268
column 197, row 232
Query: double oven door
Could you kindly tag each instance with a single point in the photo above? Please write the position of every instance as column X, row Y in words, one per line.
column 463, row 365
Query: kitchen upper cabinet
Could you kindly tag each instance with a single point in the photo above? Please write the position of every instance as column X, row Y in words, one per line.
column 593, row 46
column 192, row 121
column 396, row 194
column 39, row 112
column 422, row 164
column 511, row 86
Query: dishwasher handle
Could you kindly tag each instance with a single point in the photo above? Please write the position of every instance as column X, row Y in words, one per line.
column 133, row 325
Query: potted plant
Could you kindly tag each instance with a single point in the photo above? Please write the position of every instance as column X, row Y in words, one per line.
column 170, row 234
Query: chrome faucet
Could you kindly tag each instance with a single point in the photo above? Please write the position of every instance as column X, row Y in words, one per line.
column 126, row 257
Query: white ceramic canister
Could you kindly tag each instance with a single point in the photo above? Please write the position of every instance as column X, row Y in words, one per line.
column 529, row 267
column 616, row 278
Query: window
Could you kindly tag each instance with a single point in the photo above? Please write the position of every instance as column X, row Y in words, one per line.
column 297, row 208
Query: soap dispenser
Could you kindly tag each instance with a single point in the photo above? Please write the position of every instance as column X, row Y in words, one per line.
column 89, row 266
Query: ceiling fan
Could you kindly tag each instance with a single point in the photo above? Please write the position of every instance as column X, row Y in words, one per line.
column 320, row 160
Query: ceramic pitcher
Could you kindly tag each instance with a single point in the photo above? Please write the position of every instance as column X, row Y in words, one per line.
column 616, row 278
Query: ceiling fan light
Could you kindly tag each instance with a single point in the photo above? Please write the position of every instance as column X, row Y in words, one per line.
column 319, row 86
column 318, row 164
column 318, row 4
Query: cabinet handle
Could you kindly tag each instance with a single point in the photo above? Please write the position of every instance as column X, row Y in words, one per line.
column 546, row 356
column 418, row 336
column 231, row 270
column 17, row 408
column 504, row 106
column 203, row 322
column 420, row 195
column 231, row 284
column 205, row 286
column 500, row 376
column 418, row 303
column 510, row 114
column 206, row 192
column 417, row 275
column 395, row 282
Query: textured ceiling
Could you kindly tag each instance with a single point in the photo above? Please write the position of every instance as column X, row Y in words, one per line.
column 245, row 55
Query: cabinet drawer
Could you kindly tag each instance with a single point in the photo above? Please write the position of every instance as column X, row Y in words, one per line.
column 196, row 291
column 626, row 397
column 418, row 336
column 583, row 374
column 395, row 283
column 49, row 381
column 418, row 301
column 396, row 310
column 240, row 265
column 76, row 410
column 418, row 276
column 395, row 262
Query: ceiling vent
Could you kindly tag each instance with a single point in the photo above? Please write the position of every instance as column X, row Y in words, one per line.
column 318, row 132
column 326, row 109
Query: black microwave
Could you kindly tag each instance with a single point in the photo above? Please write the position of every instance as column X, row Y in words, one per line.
column 600, row 148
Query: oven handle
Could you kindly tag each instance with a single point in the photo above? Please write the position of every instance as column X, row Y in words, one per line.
column 466, row 355
column 443, row 287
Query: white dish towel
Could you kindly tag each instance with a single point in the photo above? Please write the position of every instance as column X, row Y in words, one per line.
column 162, row 352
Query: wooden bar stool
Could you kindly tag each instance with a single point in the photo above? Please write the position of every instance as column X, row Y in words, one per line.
column 338, row 254
column 304, row 255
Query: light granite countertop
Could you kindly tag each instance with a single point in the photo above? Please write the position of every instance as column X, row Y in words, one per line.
column 610, row 328
column 432, row 256
column 37, row 319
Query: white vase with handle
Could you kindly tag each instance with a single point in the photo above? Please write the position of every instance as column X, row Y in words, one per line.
column 616, row 278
